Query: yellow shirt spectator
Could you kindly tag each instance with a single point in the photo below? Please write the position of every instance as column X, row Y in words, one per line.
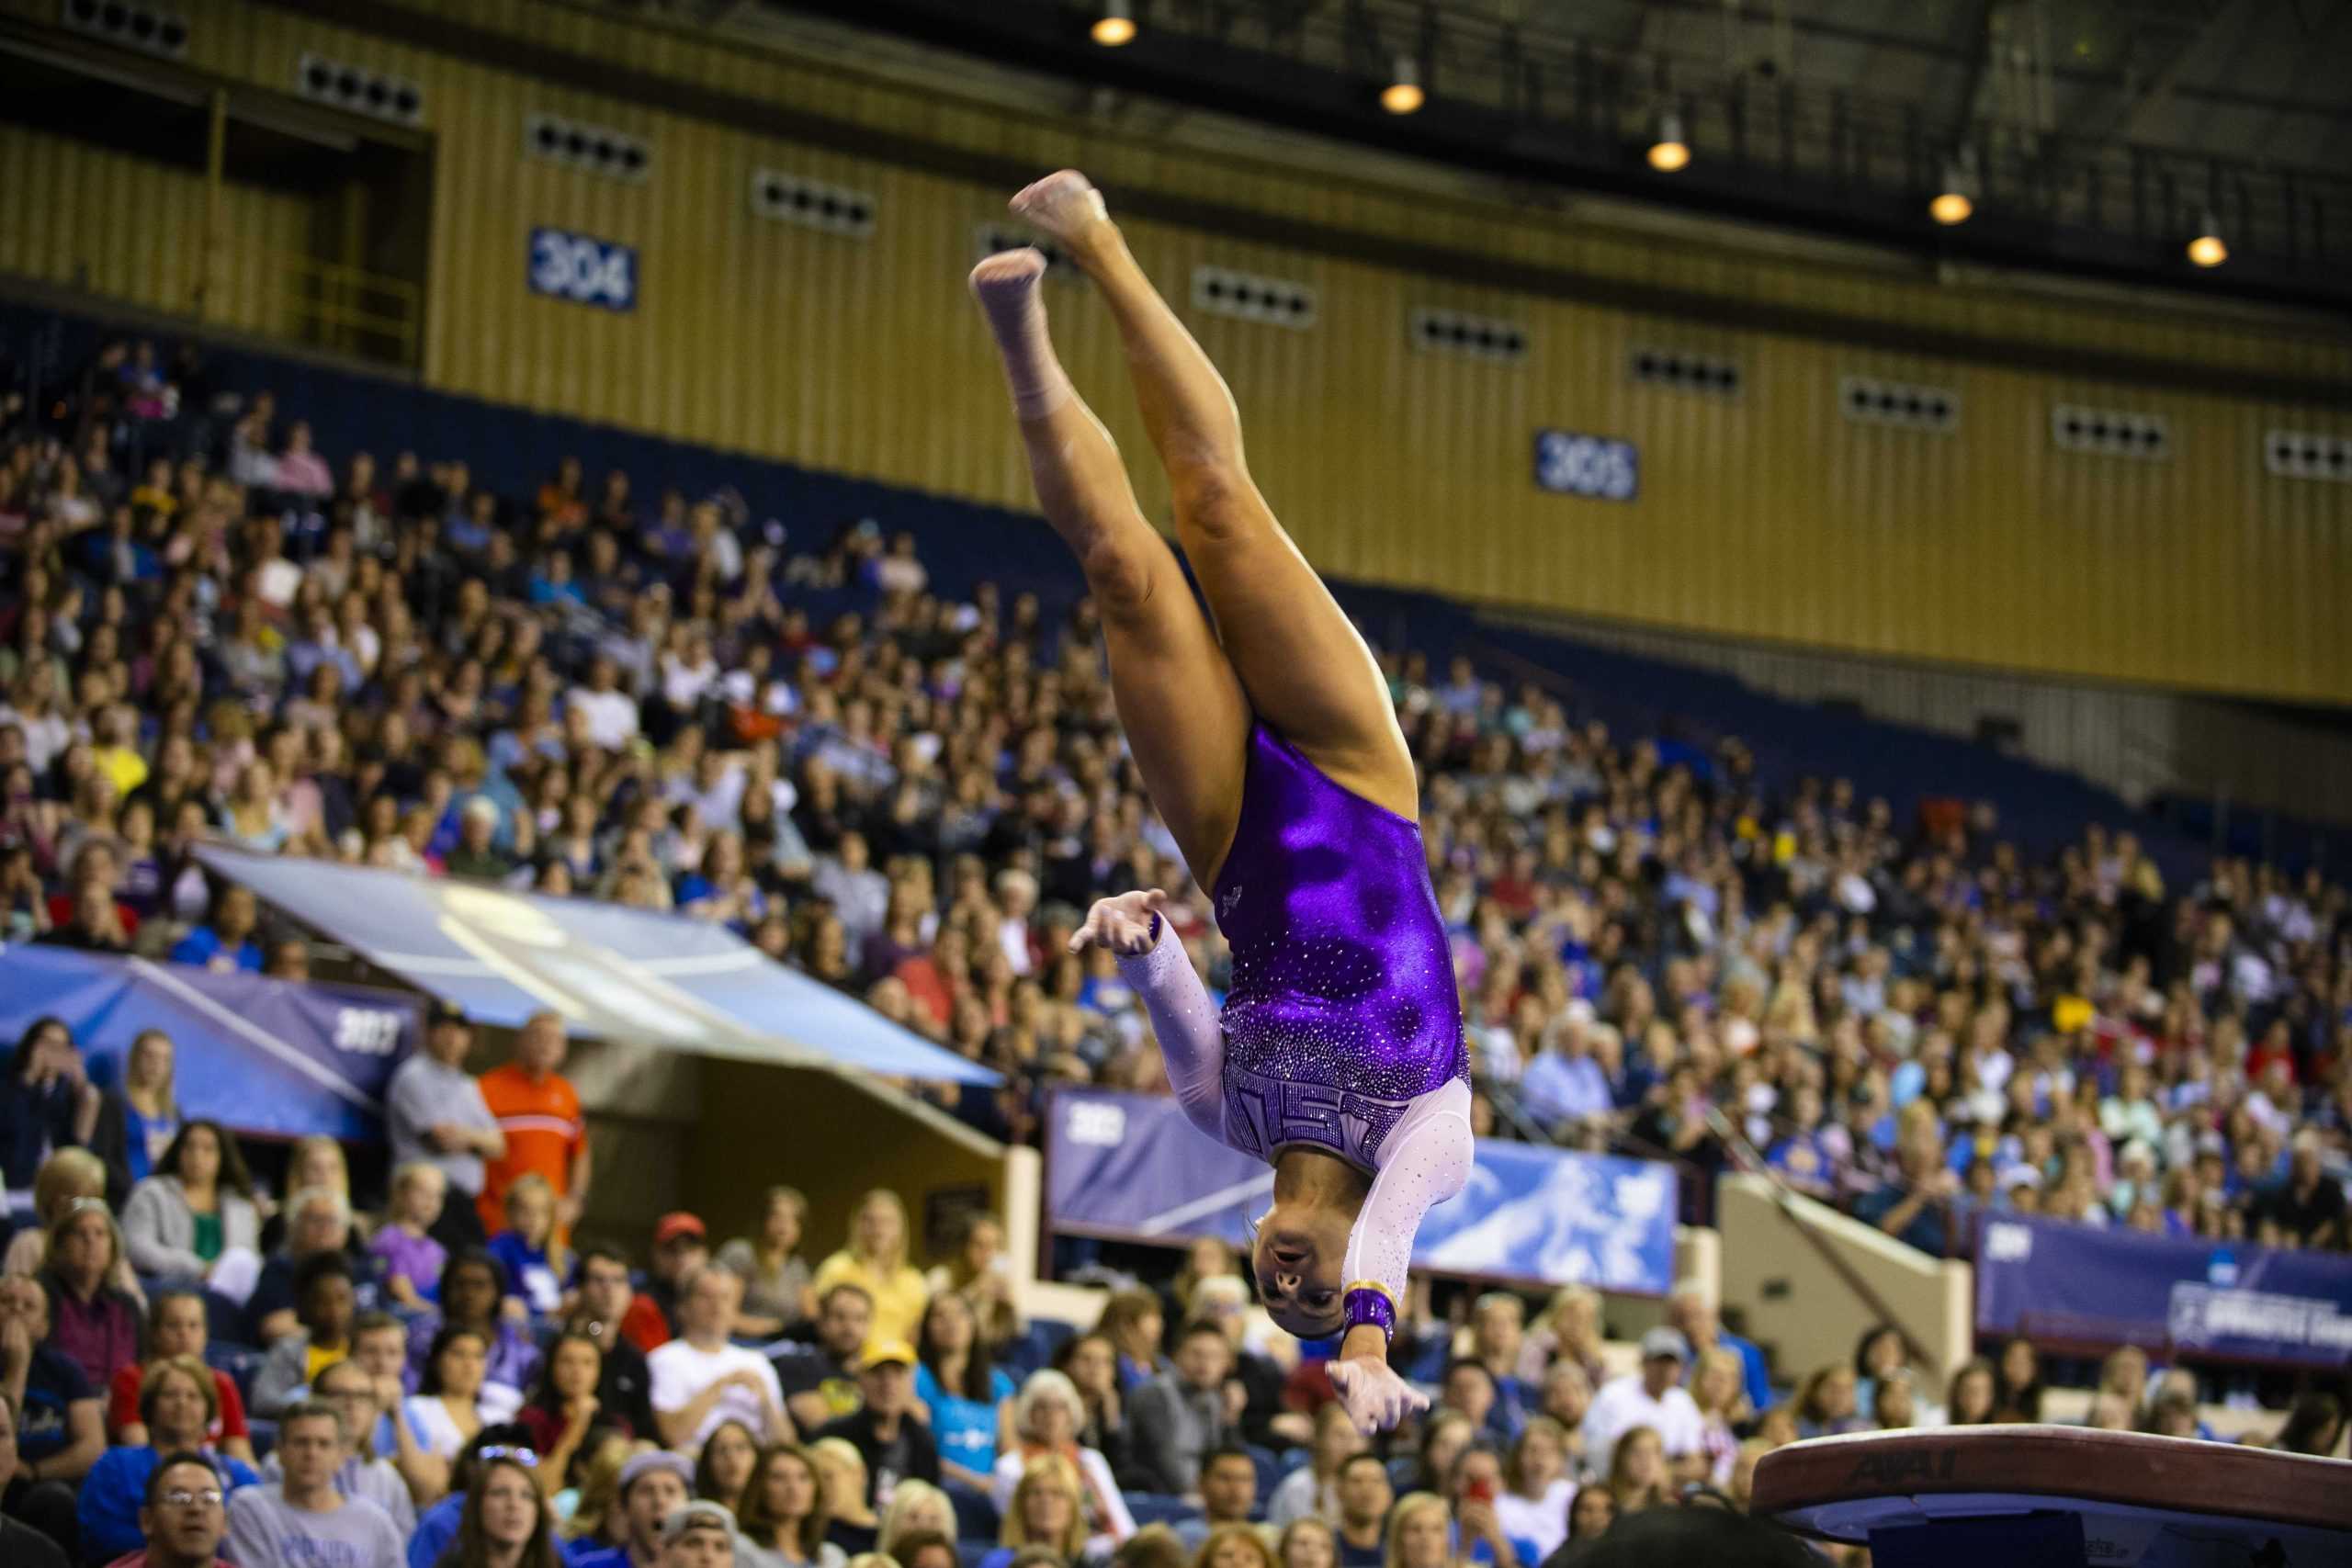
column 124, row 764
column 876, row 1261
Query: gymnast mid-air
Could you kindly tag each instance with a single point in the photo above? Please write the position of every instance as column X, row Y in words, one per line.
column 1269, row 748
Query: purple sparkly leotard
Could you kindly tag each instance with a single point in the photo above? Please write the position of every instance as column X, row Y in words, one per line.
column 1342, row 1031
column 1343, row 1009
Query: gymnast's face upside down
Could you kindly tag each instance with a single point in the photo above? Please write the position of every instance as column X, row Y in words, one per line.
column 1297, row 1258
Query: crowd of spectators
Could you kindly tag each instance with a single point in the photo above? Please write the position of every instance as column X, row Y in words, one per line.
column 209, row 631
column 913, row 795
column 741, row 1406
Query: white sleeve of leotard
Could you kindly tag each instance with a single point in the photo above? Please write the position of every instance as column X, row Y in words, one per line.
column 1425, row 1160
column 1184, row 1020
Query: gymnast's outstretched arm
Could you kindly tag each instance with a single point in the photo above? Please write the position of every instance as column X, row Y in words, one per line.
column 1152, row 959
column 1425, row 1160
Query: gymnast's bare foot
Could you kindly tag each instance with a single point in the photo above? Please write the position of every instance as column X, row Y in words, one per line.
column 1067, row 207
column 1005, row 284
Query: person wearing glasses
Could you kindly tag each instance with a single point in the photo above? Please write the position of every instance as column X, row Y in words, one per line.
column 607, row 1303
column 347, row 1387
column 303, row 1519
column 184, row 1520
column 176, row 1405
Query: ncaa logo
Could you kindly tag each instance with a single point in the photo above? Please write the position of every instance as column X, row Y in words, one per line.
column 2008, row 1244
column 1096, row 1125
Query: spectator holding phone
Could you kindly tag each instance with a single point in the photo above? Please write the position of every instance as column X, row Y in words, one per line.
column 1475, row 1486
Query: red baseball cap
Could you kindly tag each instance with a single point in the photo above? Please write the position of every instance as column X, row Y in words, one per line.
column 672, row 1227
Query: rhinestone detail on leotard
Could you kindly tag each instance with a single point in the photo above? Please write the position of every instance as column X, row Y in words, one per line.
column 1342, row 1008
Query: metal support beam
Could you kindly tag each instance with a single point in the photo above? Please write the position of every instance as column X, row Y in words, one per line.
column 2148, row 83
column 216, row 237
column 1972, row 32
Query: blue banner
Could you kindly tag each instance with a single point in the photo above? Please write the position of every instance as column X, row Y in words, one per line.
column 634, row 976
column 2060, row 1281
column 274, row 1057
column 1129, row 1166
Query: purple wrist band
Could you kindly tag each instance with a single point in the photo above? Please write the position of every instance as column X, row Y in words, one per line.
column 1371, row 1307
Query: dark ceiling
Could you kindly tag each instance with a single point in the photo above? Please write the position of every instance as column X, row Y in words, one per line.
column 2268, row 80
column 2099, row 133
column 54, row 93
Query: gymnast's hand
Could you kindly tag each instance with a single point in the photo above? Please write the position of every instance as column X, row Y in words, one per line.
column 1374, row 1397
column 1127, row 924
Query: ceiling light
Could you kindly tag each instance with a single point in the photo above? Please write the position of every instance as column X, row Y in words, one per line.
column 1403, row 95
column 2209, row 249
column 1116, row 24
column 1955, row 201
column 1668, row 151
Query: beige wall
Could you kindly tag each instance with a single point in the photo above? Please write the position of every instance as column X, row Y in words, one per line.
column 1799, row 1309
column 675, row 1131
column 1768, row 516
column 91, row 217
column 832, row 1139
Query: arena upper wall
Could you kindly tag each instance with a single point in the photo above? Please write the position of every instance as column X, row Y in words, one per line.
column 112, row 224
column 1768, row 512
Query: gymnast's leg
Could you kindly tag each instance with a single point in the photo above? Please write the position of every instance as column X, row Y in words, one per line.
column 1307, row 672
column 1187, row 720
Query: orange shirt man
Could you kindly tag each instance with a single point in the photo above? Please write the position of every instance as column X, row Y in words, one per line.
column 538, row 1110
